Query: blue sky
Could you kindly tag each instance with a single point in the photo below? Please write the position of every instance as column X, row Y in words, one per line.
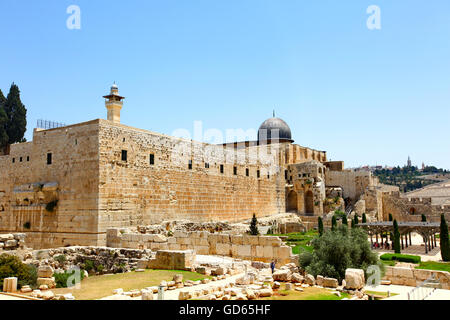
column 365, row 96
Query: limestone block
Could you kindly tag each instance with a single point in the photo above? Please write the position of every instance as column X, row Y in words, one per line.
column 268, row 252
column 49, row 282
column 282, row 275
column 11, row 243
column 319, row 280
column 178, row 278
column 236, row 239
column 403, row 273
column 203, row 250
column 309, row 279
column 184, row 295
column 45, row 272
column 354, row 279
column 147, row 295
column 265, row 293
column 297, row 278
column 259, row 251
column 288, row 286
column 283, row 252
column 223, row 249
column 180, row 234
column 6, row 237
column 10, row 285
column 112, row 233
column 330, row 283
column 244, row 250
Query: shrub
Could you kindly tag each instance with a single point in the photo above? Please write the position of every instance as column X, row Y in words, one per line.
column 305, row 259
column 333, row 223
column 445, row 245
column 424, row 218
column 11, row 266
column 62, row 279
column 364, row 218
column 344, row 221
column 339, row 250
column 61, row 258
column 100, row 268
column 88, row 265
column 401, row 258
column 391, row 218
column 50, row 207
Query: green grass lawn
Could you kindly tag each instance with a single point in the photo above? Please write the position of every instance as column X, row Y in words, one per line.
column 96, row 287
column 431, row 265
column 300, row 240
column 308, row 294
column 381, row 295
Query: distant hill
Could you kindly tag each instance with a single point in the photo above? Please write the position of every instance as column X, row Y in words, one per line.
column 411, row 178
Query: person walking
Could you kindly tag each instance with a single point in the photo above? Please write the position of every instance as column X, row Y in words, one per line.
column 272, row 266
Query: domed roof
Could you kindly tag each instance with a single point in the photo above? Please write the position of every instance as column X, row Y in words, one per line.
column 274, row 128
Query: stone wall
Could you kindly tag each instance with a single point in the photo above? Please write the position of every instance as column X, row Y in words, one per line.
column 255, row 248
column 10, row 242
column 28, row 183
column 415, row 277
column 136, row 192
column 404, row 209
column 353, row 183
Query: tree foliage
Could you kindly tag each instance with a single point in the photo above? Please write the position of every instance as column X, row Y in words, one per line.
column 254, row 226
column 16, row 114
column 11, row 266
column 445, row 246
column 333, row 223
column 337, row 251
column 397, row 247
column 320, row 226
column 3, row 122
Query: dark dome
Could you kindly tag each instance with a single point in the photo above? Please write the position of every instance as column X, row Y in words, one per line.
column 274, row 128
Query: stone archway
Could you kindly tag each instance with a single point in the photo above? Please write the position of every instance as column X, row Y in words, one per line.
column 291, row 202
column 309, row 202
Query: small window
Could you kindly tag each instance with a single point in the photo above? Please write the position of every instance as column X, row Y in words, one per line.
column 258, row 174
column 190, row 164
column 20, row 159
column 206, row 165
column 14, row 160
column 268, row 176
column 235, row 171
column 28, row 158
column 76, row 141
column 124, row 155
column 152, row 159
column 123, row 139
column 247, row 172
column 221, row 168
column 49, row 158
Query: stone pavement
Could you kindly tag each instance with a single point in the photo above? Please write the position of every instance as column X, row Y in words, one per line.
column 403, row 291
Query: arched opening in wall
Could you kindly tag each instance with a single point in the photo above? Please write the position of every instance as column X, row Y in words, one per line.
column 291, row 202
column 309, row 202
column 412, row 211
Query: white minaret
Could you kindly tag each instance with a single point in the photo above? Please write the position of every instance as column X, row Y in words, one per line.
column 114, row 104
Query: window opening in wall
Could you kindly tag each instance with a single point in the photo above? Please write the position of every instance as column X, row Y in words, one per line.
column 221, row 168
column 20, row 159
column 14, row 160
column 235, row 171
column 206, row 165
column 152, row 159
column 247, row 172
column 124, row 155
column 258, row 174
column 190, row 164
column 28, row 158
column 49, row 158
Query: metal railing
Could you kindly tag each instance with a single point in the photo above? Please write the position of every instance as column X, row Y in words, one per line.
column 424, row 291
column 46, row 124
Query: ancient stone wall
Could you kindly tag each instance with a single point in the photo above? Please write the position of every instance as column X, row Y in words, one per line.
column 256, row 248
column 415, row 277
column 353, row 183
column 298, row 154
column 184, row 181
column 404, row 209
column 28, row 183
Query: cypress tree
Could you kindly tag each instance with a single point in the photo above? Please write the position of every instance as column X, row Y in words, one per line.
column 397, row 247
column 353, row 223
column 424, row 218
column 364, row 218
column 356, row 220
column 254, row 226
column 390, row 217
column 3, row 123
column 320, row 226
column 445, row 246
column 333, row 223
column 344, row 221
column 17, row 116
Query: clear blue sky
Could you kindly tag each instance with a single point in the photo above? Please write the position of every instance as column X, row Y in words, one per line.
column 365, row 96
